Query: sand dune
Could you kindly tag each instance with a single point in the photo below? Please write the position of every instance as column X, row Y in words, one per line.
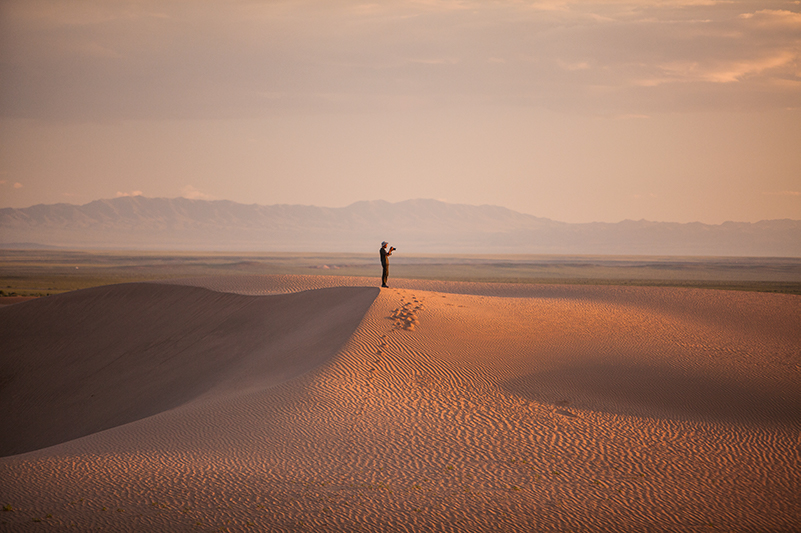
column 433, row 406
column 94, row 359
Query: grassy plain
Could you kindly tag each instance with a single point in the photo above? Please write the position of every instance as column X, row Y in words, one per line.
column 43, row 272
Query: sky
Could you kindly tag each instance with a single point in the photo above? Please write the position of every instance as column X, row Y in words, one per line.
column 578, row 111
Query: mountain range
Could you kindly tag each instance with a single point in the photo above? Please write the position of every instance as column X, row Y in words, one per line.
column 420, row 226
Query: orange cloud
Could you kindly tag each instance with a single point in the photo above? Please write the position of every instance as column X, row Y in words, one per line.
column 773, row 17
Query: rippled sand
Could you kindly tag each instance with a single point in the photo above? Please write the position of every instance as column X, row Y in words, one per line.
column 325, row 405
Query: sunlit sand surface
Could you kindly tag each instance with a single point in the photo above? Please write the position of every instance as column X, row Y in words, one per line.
column 313, row 403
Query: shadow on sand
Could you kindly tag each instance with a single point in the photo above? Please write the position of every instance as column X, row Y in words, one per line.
column 85, row 361
column 629, row 388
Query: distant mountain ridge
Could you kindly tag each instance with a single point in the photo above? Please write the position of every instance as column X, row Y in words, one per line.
column 422, row 226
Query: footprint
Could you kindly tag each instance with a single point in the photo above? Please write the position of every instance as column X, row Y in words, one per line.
column 405, row 318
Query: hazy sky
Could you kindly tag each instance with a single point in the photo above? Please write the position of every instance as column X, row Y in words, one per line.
column 586, row 110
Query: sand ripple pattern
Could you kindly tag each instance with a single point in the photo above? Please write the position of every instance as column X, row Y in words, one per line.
column 457, row 410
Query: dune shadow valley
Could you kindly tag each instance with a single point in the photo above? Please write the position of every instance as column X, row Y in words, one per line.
column 294, row 403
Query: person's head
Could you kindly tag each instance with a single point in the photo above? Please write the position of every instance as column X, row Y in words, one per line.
column 384, row 244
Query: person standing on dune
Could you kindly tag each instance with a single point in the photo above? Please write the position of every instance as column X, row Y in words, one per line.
column 384, row 253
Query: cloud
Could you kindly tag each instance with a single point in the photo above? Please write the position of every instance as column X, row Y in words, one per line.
column 18, row 185
column 737, row 70
column 120, row 194
column 192, row 193
column 155, row 60
column 774, row 17
column 723, row 72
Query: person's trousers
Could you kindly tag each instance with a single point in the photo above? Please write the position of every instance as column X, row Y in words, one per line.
column 385, row 275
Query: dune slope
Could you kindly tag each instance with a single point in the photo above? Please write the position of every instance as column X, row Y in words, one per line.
column 90, row 360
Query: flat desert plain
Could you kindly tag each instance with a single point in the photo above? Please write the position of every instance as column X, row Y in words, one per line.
column 322, row 403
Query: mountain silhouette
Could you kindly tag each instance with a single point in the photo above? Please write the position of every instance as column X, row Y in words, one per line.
column 422, row 226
